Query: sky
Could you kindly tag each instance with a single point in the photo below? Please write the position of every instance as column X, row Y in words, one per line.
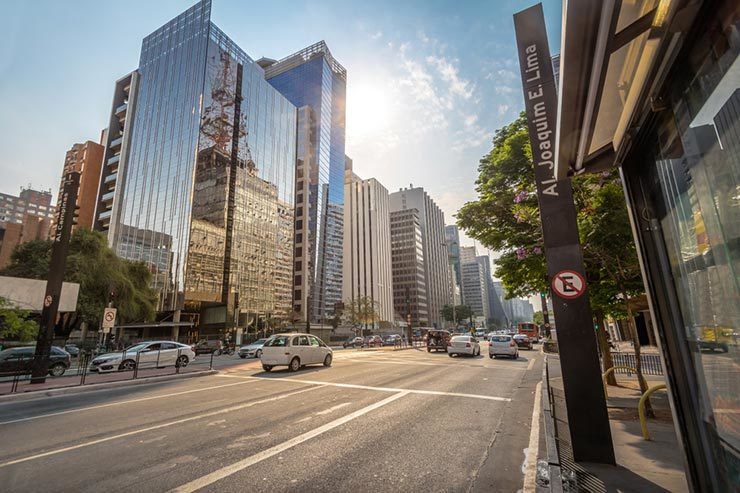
column 428, row 81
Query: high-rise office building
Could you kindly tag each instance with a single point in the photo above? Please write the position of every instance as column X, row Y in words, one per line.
column 436, row 266
column 495, row 308
column 23, row 218
column 315, row 83
column 199, row 175
column 367, row 245
column 408, row 266
column 86, row 159
column 452, row 238
column 475, row 289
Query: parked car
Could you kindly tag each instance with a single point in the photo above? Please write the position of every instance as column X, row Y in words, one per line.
column 208, row 346
column 503, row 345
column 295, row 351
column 253, row 350
column 463, row 345
column 391, row 340
column 72, row 349
column 352, row 342
column 523, row 341
column 373, row 341
column 18, row 361
column 153, row 354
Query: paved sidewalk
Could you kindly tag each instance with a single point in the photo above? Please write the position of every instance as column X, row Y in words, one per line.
column 655, row 465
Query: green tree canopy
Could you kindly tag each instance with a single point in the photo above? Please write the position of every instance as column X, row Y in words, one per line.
column 98, row 271
column 15, row 324
column 360, row 311
column 505, row 218
column 462, row 313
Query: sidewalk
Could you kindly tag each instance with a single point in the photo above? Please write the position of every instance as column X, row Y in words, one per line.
column 655, row 465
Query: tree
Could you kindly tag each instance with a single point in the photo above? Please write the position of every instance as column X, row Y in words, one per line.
column 462, row 313
column 360, row 312
column 15, row 323
column 505, row 217
column 92, row 264
column 539, row 318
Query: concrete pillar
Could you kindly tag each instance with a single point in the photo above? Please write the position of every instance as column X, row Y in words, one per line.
column 176, row 328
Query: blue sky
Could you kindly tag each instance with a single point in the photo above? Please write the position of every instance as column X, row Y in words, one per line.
column 428, row 81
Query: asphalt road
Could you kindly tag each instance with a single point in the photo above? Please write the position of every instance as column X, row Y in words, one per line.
column 374, row 421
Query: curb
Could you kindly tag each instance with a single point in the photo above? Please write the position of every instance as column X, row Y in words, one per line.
column 93, row 387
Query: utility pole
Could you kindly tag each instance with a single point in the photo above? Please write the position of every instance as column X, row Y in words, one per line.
column 59, row 248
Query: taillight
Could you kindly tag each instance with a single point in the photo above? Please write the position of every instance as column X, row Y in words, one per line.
column 449, row 343
column 512, row 344
column 467, row 345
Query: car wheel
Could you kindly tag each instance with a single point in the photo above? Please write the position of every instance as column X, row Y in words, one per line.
column 449, row 354
column 295, row 364
column 127, row 365
column 327, row 360
column 258, row 354
column 429, row 350
column 267, row 367
column 57, row 369
column 243, row 356
column 182, row 361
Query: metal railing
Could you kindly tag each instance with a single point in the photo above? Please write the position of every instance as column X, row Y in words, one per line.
column 651, row 364
column 130, row 366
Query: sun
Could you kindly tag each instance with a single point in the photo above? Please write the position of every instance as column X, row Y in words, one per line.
column 368, row 110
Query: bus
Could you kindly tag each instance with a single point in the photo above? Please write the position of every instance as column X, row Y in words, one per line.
column 529, row 329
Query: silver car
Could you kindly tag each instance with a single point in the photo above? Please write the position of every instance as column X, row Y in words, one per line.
column 253, row 350
column 154, row 354
column 467, row 345
column 502, row 345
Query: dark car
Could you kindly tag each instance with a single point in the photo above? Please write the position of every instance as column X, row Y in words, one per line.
column 18, row 361
column 523, row 341
column 72, row 349
column 437, row 340
column 352, row 342
column 208, row 346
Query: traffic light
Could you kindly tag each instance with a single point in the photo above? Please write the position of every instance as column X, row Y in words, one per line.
column 76, row 215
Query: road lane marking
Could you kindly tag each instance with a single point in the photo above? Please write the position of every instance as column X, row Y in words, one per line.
column 531, row 364
column 224, row 472
column 368, row 387
column 530, row 475
column 518, row 366
column 155, row 427
column 332, row 409
column 117, row 403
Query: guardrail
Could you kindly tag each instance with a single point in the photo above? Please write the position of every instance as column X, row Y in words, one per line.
column 641, row 409
column 128, row 367
column 651, row 364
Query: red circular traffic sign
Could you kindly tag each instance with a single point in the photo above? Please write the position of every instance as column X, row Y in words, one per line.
column 568, row 284
column 109, row 316
column 47, row 301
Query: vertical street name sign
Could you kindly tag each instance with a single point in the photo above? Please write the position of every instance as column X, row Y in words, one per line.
column 584, row 395
column 59, row 247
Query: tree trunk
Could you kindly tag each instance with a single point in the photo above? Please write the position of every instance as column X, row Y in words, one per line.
column 606, row 353
column 638, row 361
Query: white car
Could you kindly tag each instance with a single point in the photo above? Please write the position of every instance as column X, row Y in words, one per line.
column 463, row 345
column 295, row 351
column 253, row 350
column 154, row 354
column 502, row 345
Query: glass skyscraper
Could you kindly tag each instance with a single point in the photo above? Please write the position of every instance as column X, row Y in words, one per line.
column 204, row 177
column 316, row 83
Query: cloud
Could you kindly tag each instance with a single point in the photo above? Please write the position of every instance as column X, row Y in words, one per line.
column 470, row 120
column 450, row 74
column 377, row 35
column 502, row 109
column 504, row 89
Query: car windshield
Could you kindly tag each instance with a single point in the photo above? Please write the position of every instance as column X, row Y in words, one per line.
column 259, row 341
column 279, row 341
column 500, row 338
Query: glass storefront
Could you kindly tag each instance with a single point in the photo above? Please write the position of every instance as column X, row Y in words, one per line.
column 685, row 185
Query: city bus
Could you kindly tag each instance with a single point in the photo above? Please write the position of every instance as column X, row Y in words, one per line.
column 529, row 329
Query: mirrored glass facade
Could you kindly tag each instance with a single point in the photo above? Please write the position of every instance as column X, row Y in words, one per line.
column 208, row 196
column 312, row 78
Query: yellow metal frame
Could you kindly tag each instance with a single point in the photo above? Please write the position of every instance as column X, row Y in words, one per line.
column 610, row 370
column 641, row 409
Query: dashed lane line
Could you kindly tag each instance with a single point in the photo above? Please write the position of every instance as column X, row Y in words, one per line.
column 369, row 387
column 224, row 472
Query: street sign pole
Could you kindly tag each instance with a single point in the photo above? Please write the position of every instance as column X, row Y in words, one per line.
column 60, row 245
column 584, row 395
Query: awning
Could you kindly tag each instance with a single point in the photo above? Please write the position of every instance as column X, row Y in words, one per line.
column 614, row 56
